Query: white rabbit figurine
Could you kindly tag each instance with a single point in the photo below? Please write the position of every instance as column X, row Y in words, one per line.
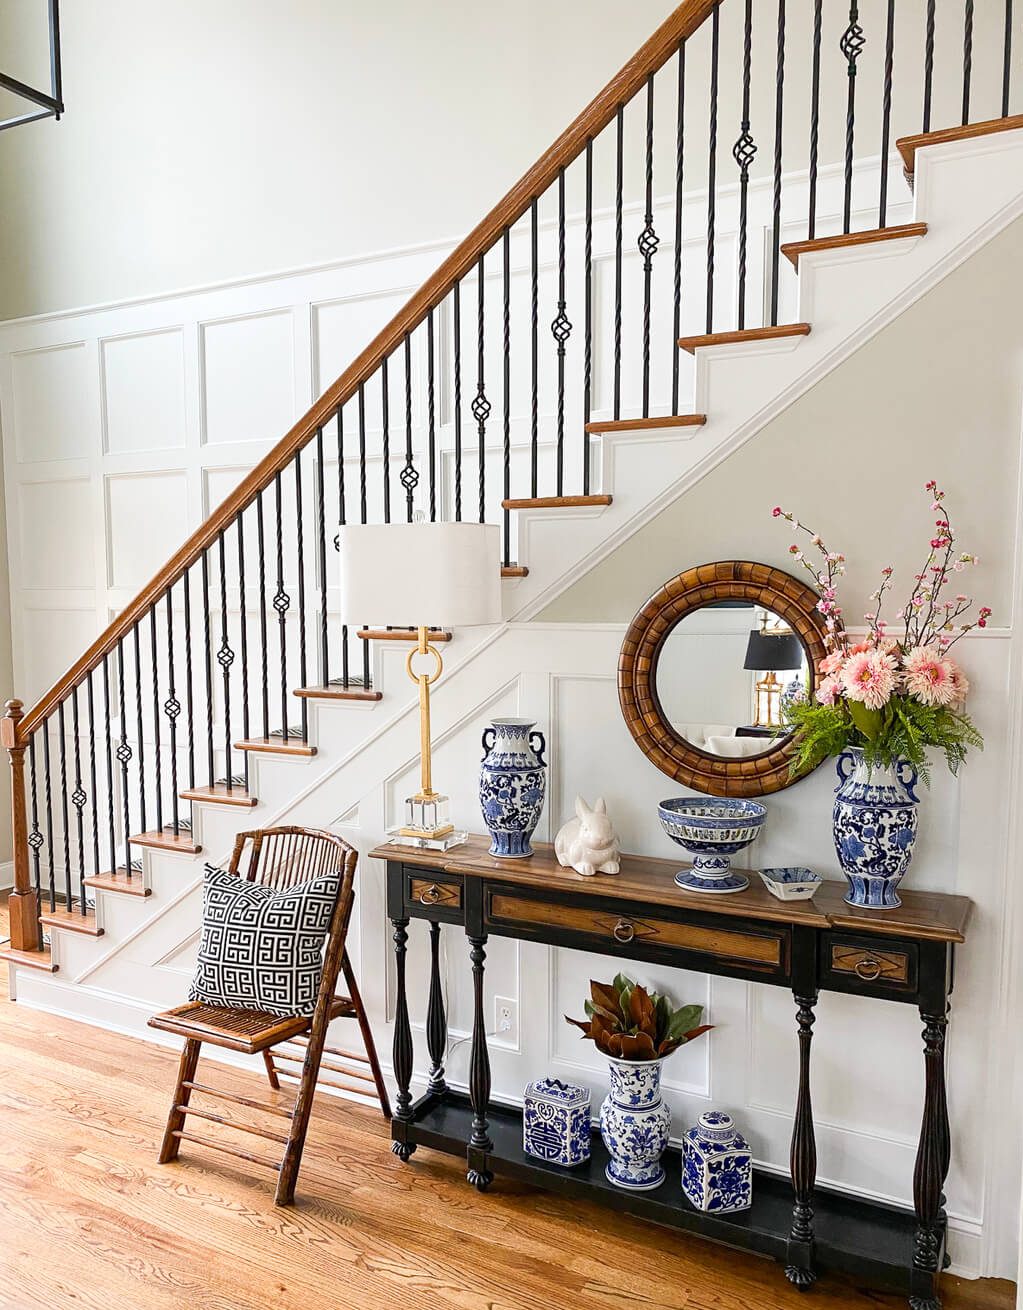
column 588, row 843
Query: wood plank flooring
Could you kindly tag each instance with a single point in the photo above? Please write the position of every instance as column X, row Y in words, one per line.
column 91, row 1221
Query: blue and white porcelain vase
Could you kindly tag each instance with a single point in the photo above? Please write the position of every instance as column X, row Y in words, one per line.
column 874, row 823
column 556, row 1122
column 717, row 1167
column 513, row 782
column 634, row 1124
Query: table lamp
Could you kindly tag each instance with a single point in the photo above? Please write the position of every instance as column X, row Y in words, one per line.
column 422, row 575
column 766, row 652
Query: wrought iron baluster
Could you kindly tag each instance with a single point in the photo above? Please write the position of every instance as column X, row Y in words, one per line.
column 143, row 826
column 300, row 565
column 65, row 822
column 91, row 712
column 967, row 59
column 321, row 542
column 886, row 112
column 35, row 837
column 363, row 496
column 587, row 317
column 648, row 242
column 244, row 636
column 744, row 152
column 534, row 347
column 779, row 105
column 208, row 664
column 225, row 656
column 680, row 154
column 712, row 156
column 78, row 800
column 48, row 801
column 851, row 45
column 157, row 770
column 815, row 115
column 506, row 515
column 928, row 65
column 342, row 514
column 263, row 639
column 282, row 603
column 385, row 439
column 409, row 474
column 124, row 754
column 108, row 733
column 457, row 333
column 561, row 329
column 1007, row 59
column 172, row 708
column 189, row 702
column 619, row 236
column 481, row 406
column 431, row 416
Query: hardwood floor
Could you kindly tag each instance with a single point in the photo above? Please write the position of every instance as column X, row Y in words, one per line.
column 90, row 1220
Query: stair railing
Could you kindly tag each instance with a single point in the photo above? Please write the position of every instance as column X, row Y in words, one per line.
column 662, row 210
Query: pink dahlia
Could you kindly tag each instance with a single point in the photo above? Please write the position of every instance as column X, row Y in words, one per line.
column 830, row 690
column 932, row 679
column 869, row 676
column 960, row 683
column 833, row 662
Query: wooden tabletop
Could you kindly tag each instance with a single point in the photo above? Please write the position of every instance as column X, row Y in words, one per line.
column 931, row 916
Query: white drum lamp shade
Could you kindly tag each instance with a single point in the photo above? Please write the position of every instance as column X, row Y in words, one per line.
column 412, row 575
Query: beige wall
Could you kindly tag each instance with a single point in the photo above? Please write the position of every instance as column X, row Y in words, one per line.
column 936, row 394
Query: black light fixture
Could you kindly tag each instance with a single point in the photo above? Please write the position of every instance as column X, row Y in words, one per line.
column 766, row 652
column 47, row 104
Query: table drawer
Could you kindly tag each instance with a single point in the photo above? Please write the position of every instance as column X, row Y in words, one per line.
column 868, row 965
column 426, row 891
column 761, row 949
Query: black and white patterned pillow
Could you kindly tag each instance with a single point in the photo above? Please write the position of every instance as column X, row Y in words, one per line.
column 262, row 949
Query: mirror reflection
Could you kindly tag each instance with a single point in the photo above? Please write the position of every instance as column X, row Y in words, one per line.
column 724, row 675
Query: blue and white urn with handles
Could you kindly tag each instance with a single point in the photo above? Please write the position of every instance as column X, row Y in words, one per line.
column 634, row 1125
column 874, row 823
column 513, row 783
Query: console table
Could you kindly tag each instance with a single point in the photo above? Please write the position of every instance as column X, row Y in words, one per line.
column 900, row 955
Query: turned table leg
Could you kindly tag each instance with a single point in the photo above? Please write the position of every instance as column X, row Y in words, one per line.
column 436, row 1019
column 932, row 1161
column 480, row 1144
column 799, row 1268
column 402, row 1050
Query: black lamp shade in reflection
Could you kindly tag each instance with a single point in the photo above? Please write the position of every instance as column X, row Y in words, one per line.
column 773, row 650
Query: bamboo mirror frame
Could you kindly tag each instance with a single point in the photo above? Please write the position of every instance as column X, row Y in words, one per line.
column 709, row 584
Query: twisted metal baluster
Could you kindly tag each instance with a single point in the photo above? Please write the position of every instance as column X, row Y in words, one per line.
column 321, row 543
column 587, row 317
column 263, row 639
column 744, row 152
column 172, row 708
column 779, row 104
column 928, row 65
column 157, row 770
column 65, row 824
column 481, row 406
column 561, row 329
column 91, row 711
column 712, row 152
column 886, row 112
column 363, row 497
column 124, row 754
column 282, row 603
column 385, row 438
column 619, row 234
column 208, row 665
column 851, row 46
column 815, row 116
column 534, row 359
column 243, row 626
column 680, row 146
column 225, row 657
column 138, row 720
column 648, row 242
column 78, row 800
column 967, row 59
column 189, row 703
column 342, row 519
column 48, row 800
column 457, row 333
column 506, row 516
column 110, row 772
column 300, row 565
column 431, row 416
column 1007, row 59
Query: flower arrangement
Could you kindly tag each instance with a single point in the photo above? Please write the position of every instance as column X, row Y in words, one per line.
column 897, row 691
column 627, row 1022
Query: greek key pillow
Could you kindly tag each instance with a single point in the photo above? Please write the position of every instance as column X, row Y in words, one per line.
column 262, row 949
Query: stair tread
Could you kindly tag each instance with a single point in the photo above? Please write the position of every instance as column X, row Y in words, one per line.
column 401, row 634
column 220, row 794
column 121, row 881
column 692, row 344
column 295, row 745
column 555, row 502
column 29, row 959
column 337, row 691
column 642, row 424
column 909, row 145
column 514, row 571
column 72, row 921
column 165, row 840
column 794, row 249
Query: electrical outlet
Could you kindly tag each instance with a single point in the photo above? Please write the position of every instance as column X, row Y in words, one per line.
column 506, row 1019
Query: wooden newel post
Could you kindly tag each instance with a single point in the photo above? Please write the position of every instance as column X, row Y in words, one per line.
column 23, row 903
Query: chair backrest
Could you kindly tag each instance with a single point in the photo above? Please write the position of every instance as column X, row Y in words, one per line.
column 286, row 856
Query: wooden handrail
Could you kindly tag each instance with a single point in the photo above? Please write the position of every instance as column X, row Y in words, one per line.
column 595, row 117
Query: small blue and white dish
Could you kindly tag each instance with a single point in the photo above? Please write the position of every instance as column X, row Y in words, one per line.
column 711, row 829
column 791, row 883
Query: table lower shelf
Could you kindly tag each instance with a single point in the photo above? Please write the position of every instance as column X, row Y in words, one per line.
column 871, row 1240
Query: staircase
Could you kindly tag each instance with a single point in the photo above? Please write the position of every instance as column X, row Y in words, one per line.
column 227, row 695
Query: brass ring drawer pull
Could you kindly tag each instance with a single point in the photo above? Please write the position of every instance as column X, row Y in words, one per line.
column 623, row 931
column 430, row 895
column 868, row 968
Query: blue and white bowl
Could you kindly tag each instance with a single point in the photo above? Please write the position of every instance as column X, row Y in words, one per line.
column 711, row 829
column 791, row 883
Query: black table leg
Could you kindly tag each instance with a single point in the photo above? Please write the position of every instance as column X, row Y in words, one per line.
column 436, row 1019
column 932, row 1161
column 480, row 1144
column 402, row 1051
column 799, row 1268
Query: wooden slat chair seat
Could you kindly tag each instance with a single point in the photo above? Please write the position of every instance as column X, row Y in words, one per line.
column 279, row 858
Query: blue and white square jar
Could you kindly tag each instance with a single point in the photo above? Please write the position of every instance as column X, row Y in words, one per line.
column 556, row 1122
column 717, row 1168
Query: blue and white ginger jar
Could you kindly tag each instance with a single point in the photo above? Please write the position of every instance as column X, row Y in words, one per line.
column 634, row 1124
column 513, row 783
column 556, row 1122
column 717, row 1168
column 874, row 823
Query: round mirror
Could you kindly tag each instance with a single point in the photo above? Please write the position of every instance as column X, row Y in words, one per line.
column 707, row 668
column 724, row 675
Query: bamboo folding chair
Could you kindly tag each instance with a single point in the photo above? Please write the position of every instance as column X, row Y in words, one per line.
column 280, row 858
